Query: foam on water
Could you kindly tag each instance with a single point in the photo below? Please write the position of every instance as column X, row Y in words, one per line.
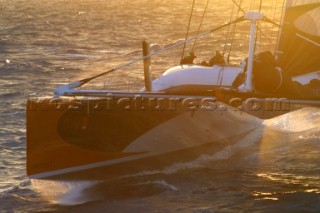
column 300, row 120
column 161, row 183
column 63, row 192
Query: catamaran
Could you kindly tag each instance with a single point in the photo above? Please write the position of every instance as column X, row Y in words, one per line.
column 191, row 109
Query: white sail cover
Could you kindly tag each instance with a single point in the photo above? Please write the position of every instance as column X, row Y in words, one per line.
column 299, row 43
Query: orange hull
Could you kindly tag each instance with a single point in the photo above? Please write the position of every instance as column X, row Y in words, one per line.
column 97, row 139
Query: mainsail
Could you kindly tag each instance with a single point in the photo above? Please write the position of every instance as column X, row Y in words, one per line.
column 298, row 50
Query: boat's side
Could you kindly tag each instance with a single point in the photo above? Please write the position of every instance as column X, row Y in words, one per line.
column 104, row 134
column 106, row 137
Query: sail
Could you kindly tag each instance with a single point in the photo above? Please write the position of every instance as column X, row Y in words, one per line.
column 298, row 50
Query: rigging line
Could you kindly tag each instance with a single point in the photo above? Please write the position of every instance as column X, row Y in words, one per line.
column 273, row 32
column 234, row 29
column 260, row 5
column 86, row 80
column 190, row 18
column 284, row 3
column 228, row 33
column 258, row 28
column 204, row 12
column 275, row 10
column 271, row 12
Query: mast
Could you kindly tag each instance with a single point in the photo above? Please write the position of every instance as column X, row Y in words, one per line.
column 254, row 17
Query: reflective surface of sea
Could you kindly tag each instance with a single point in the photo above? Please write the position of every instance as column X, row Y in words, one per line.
column 44, row 44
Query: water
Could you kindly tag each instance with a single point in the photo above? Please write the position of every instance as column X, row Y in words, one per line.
column 46, row 43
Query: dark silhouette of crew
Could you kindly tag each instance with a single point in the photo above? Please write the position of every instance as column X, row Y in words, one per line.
column 188, row 59
column 218, row 59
